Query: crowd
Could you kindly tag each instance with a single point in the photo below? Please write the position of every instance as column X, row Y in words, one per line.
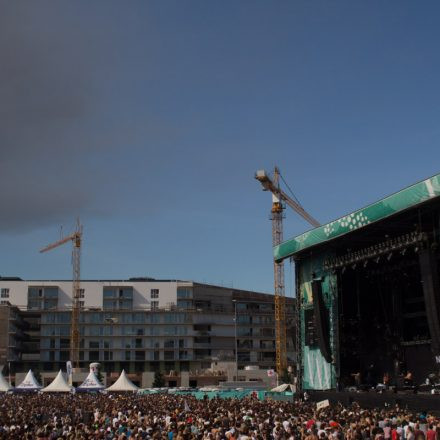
column 175, row 417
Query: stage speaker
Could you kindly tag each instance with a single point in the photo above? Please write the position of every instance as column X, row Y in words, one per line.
column 322, row 326
column 431, row 292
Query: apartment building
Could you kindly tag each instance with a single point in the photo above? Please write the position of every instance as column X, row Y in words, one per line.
column 142, row 324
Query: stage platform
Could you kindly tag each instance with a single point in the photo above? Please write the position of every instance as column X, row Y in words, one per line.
column 415, row 402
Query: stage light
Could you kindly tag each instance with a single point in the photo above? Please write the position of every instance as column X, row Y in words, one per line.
column 403, row 251
column 377, row 260
column 389, row 256
column 365, row 263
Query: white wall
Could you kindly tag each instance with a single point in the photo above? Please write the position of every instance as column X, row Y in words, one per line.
column 93, row 292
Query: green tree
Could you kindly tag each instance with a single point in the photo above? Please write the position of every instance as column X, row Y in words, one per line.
column 37, row 375
column 99, row 376
column 159, row 381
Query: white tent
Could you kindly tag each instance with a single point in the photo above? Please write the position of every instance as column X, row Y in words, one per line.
column 58, row 385
column 123, row 384
column 284, row 387
column 29, row 383
column 91, row 383
column 4, row 385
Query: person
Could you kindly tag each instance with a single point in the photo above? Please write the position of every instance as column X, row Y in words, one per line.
column 431, row 434
column 408, row 379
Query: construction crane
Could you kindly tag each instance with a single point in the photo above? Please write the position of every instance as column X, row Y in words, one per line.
column 279, row 199
column 76, row 239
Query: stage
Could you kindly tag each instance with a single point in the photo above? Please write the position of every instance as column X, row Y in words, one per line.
column 368, row 295
column 419, row 402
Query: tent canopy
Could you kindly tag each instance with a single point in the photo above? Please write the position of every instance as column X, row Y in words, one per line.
column 284, row 387
column 123, row 384
column 91, row 383
column 58, row 385
column 4, row 385
column 29, row 383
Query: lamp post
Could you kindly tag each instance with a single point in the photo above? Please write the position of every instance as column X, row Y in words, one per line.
column 236, row 340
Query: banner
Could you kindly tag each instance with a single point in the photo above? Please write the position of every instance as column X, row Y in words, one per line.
column 322, row 404
column 69, row 372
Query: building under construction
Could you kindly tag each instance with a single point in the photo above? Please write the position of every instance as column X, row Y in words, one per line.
column 368, row 292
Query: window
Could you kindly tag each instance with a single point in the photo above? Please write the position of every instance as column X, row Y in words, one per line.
column 168, row 355
column 81, row 303
column 154, row 293
column 169, row 343
column 184, row 304
column 127, row 355
column 94, row 344
column 5, row 293
column 154, row 305
column 81, row 293
column 50, row 304
column 139, row 355
column 51, row 292
column 184, row 292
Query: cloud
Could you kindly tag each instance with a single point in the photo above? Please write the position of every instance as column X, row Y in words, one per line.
column 47, row 99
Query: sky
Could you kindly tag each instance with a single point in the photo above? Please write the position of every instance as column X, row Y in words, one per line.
column 148, row 120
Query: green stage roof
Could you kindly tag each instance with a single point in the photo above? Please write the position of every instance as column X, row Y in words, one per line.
column 404, row 199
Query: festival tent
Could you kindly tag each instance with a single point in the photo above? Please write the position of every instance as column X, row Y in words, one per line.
column 123, row 384
column 4, row 385
column 58, row 385
column 284, row 387
column 29, row 383
column 91, row 383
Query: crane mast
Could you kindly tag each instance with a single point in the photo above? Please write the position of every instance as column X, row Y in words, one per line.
column 280, row 298
column 76, row 239
column 279, row 197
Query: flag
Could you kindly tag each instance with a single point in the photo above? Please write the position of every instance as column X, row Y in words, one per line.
column 69, row 372
column 187, row 408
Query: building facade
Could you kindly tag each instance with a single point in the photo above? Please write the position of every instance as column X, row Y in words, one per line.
column 143, row 325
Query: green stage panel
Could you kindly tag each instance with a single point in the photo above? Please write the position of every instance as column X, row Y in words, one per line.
column 404, row 199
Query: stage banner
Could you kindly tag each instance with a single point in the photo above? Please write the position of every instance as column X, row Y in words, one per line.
column 322, row 404
column 404, row 199
column 69, row 372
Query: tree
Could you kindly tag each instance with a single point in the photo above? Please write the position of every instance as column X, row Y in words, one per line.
column 99, row 376
column 159, row 381
column 38, row 378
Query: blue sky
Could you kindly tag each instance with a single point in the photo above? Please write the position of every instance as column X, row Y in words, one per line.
column 148, row 119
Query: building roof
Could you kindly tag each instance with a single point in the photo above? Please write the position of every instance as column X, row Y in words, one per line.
column 402, row 200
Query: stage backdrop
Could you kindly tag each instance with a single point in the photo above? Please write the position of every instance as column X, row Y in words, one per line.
column 318, row 373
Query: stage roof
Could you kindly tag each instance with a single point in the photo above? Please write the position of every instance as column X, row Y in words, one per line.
column 406, row 198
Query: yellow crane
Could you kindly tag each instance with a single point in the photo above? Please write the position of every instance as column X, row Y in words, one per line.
column 279, row 199
column 76, row 239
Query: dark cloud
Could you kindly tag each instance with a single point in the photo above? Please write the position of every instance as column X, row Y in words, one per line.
column 46, row 98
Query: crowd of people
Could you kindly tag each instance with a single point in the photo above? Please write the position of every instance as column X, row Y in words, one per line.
column 180, row 417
